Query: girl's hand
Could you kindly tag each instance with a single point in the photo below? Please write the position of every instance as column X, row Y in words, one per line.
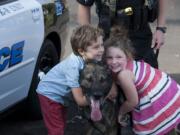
column 112, row 93
column 123, row 120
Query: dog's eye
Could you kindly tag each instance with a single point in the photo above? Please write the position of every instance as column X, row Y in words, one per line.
column 102, row 79
column 90, row 79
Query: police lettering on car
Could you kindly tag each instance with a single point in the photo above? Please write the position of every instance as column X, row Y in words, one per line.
column 35, row 14
column 4, row 11
column 10, row 9
column 11, row 56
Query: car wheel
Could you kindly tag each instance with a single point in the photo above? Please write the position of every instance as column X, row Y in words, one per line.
column 48, row 57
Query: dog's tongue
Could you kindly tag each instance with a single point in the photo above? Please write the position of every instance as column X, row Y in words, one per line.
column 95, row 110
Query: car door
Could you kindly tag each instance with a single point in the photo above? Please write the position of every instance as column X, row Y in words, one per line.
column 21, row 36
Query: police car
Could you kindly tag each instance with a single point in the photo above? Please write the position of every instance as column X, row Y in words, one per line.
column 32, row 40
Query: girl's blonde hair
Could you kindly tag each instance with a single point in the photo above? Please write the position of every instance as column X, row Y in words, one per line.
column 119, row 39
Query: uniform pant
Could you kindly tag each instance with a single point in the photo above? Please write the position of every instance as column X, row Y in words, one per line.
column 142, row 40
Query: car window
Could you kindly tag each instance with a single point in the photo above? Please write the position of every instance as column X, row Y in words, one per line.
column 6, row 1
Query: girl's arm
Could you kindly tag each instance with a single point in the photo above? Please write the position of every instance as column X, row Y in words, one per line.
column 126, row 81
column 79, row 97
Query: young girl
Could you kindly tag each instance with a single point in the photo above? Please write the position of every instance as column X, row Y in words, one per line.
column 151, row 95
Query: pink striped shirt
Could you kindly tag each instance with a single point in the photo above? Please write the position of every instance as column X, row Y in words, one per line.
column 158, row 110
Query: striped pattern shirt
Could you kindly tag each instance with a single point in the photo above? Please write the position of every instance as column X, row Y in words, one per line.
column 158, row 110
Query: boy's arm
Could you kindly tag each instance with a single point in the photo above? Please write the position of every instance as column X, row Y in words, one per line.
column 79, row 97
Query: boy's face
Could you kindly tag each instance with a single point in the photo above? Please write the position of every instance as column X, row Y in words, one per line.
column 94, row 51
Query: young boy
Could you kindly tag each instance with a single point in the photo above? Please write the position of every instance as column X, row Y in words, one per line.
column 56, row 85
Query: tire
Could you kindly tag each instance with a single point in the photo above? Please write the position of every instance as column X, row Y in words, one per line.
column 48, row 57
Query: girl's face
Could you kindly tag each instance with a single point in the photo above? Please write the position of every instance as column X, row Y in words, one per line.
column 116, row 59
column 94, row 51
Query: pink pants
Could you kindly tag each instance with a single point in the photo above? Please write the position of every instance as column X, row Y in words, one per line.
column 53, row 115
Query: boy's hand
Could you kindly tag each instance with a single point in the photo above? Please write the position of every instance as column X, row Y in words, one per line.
column 113, row 92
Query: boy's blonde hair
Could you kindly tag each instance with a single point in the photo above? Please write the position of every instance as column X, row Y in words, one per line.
column 119, row 39
column 84, row 36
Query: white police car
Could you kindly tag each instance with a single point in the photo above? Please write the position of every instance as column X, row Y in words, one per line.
column 32, row 34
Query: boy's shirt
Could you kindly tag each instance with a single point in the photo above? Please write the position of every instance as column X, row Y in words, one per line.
column 57, row 83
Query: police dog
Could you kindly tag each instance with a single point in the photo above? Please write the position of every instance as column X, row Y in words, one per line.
column 101, row 114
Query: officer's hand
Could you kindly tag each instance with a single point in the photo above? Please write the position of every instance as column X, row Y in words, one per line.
column 158, row 39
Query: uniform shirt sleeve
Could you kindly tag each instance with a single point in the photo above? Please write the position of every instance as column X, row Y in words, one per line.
column 86, row 2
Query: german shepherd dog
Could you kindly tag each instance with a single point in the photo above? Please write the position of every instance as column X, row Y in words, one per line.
column 101, row 114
